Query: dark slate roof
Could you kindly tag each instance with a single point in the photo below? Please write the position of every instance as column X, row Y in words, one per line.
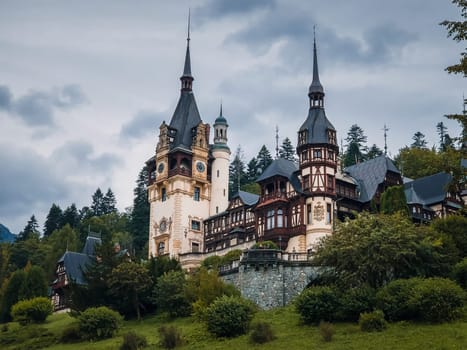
column 247, row 197
column 315, row 84
column 75, row 264
column 90, row 245
column 279, row 167
column 317, row 125
column 427, row 190
column 187, row 66
column 185, row 118
column 370, row 174
column 220, row 119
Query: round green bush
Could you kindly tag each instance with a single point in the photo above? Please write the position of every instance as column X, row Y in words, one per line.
column 372, row 321
column 396, row 299
column 229, row 316
column 99, row 323
column 459, row 273
column 439, row 300
column 133, row 341
column 355, row 301
column 317, row 304
column 32, row 310
column 261, row 333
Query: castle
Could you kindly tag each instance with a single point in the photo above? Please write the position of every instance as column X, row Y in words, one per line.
column 192, row 217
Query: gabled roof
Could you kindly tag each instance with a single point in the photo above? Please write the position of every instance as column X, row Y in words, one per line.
column 428, row 190
column 246, row 197
column 75, row 264
column 317, row 125
column 370, row 174
column 185, row 118
column 279, row 167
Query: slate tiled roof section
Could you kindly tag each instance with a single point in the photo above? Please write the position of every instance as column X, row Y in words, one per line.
column 279, row 167
column 75, row 264
column 185, row 118
column 370, row 174
column 428, row 190
column 248, row 198
column 317, row 125
column 90, row 245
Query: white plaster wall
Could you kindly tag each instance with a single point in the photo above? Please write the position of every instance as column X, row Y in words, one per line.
column 220, row 185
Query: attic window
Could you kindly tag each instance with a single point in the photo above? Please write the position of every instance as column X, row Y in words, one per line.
column 302, row 136
column 332, row 137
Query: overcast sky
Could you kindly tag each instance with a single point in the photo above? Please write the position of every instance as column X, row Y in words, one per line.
column 84, row 85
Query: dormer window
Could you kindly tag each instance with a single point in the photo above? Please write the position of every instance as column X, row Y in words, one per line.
column 302, row 137
column 332, row 137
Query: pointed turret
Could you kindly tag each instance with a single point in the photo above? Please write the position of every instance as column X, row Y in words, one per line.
column 316, row 91
column 220, row 131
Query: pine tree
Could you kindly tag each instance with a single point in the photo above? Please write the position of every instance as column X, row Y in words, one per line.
column 441, row 128
column 97, row 206
column 252, row 170
column 71, row 216
column 139, row 221
column 287, row 151
column 54, row 220
column 393, row 200
column 356, row 147
column 237, row 175
column 263, row 158
column 35, row 284
column 374, row 152
column 418, row 140
column 30, row 230
column 11, row 296
column 109, row 203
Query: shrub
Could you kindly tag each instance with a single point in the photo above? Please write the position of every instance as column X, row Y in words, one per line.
column 133, row 341
column 32, row 310
column 317, row 304
column 326, row 330
column 71, row 334
column 262, row 333
column 459, row 273
column 439, row 300
column 170, row 294
column 99, row 323
column 170, row 337
column 372, row 321
column 356, row 300
column 229, row 316
column 396, row 299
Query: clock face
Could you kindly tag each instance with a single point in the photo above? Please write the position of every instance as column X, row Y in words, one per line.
column 200, row 167
column 160, row 168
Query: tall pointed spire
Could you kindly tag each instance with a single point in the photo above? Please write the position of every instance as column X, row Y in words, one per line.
column 316, row 91
column 187, row 78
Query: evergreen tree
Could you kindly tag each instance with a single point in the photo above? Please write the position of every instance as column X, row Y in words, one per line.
column 252, row 170
column 441, row 128
column 85, row 213
column 418, row 140
column 30, row 230
column 71, row 216
column 11, row 296
column 263, row 158
column 54, row 220
column 458, row 31
column 393, row 200
column 237, row 175
column 97, row 206
column 356, row 147
column 374, row 152
column 109, row 202
column 287, row 151
column 35, row 284
column 139, row 217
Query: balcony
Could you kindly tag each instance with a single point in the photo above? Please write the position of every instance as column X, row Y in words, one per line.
column 180, row 171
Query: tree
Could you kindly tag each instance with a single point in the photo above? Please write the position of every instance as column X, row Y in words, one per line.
column 356, row 147
column 109, row 202
column 287, row 151
column 374, row 152
column 418, row 162
column 237, row 175
column 129, row 282
column 393, row 200
column 170, row 294
column 54, row 220
column 97, row 206
column 263, row 158
column 371, row 249
column 458, row 31
column 35, row 284
column 71, row 216
column 61, row 240
column 441, row 128
column 30, row 230
column 10, row 296
column 139, row 217
column 418, row 140
column 252, row 170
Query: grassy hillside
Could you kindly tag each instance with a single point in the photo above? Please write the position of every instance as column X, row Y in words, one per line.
column 290, row 335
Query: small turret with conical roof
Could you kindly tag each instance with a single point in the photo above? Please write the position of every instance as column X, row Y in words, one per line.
column 220, row 131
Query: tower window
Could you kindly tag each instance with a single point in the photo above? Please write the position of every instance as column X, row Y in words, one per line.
column 328, row 213
column 196, row 194
column 317, row 154
column 331, row 155
column 194, row 247
column 330, row 182
column 217, row 209
column 163, row 194
column 195, row 225
column 309, row 214
column 217, row 173
column 224, row 192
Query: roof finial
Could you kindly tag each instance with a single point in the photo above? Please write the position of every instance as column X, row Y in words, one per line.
column 187, row 78
column 385, row 129
column 189, row 18
column 277, row 142
column 220, row 113
column 315, row 87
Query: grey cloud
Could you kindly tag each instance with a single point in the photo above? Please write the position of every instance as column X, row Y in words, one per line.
column 37, row 108
column 142, row 124
column 222, row 8
column 5, row 97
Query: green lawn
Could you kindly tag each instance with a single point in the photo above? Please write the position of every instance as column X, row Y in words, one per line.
column 291, row 334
